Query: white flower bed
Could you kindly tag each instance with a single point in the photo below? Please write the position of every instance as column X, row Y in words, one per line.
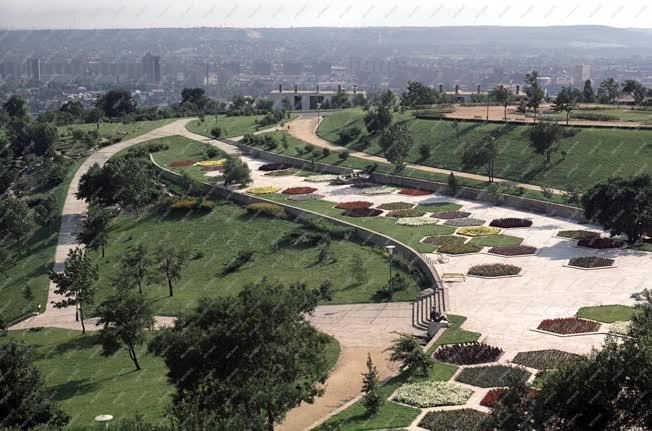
column 372, row 191
column 432, row 394
column 416, row 221
column 621, row 327
column 306, row 197
column 320, row 178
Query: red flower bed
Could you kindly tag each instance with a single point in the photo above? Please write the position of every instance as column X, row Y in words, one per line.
column 177, row 163
column 468, row 354
column 494, row 395
column 299, row 190
column 414, row 192
column 568, row 325
column 353, row 205
column 362, row 212
column 600, row 243
column 511, row 222
column 212, row 168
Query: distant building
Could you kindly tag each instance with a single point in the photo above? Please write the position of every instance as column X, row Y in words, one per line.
column 262, row 68
column 292, row 68
column 321, row 68
column 582, row 73
column 305, row 100
column 34, row 66
column 152, row 67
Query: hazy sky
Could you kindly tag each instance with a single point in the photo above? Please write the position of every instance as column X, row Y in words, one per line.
column 31, row 14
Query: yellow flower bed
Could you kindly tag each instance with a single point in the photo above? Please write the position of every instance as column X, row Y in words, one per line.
column 210, row 163
column 262, row 190
column 478, row 231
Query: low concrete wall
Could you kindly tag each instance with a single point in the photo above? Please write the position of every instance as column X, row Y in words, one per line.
column 366, row 236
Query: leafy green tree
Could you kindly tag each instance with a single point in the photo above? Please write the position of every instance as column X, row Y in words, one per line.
column 194, row 97
column 543, row 136
column 481, row 153
column 372, row 398
column 125, row 317
column 359, row 100
column 25, row 402
column 636, row 90
column 417, row 94
column 609, row 91
column 325, row 290
column 407, row 350
column 236, row 171
column 453, row 186
column 534, row 92
column 621, row 205
column 588, row 95
column 379, row 117
column 47, row 210
column 172, row 262
column 115, row 103
column 396, row 143
column 77, row 282
column 425, row 151
column 566, row 101
column 8, row 168
column 94, row 231
column 247, row 359
column 16, row 107
column 44, row 138
column 502, row 95
column 141, row 265
column 340, row 100
column 17, row 219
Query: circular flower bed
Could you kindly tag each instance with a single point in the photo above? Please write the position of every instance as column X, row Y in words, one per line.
column 494, row 270
column 263, row 190
column 444, row 239
column 353, row 205
column 544, row 359
column 511, row 222
column 578, row 234
column 309, row 197
column 374, row 191
column 568, row 325
column 459, row 248
column 513, row 250
column 492, row 376
column 591, row 262
column 620, row 327
column 406, row 213
column 393, row 206
column 414, row 192
column 274, row 167
column 416, row 221
column 362, row 212
column 600, row 243
column 209, row 163
column 453, row 420
column 463, row 222
column 178, row 163
column 320, row 178
column 432, row 394
column 299, row 190
column 468, row 354
column 478, row 231
column 447, row 215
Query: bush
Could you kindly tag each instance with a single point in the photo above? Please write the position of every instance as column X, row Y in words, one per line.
column 393, row 206
column 600, row 243
column 468, row 354
column 459, row 248
column 424, row 151
column 510, row 222
column 432, row 394
column 216, row 132
column 266, row 209
column 212, row 152
column 414, row 192
column 568, row 325
column 447, row 215
column 594, row 116
column 274, row 167
column 406, row 213
column 492, row 376
column 544, row 359
column 331, row 229
column 453, row 420
column 464, row 222
column 299, row 190
column 353, row 205
column 303, row 238
column 513, row 250
column 343, row 155
column 349, row 134
column 591, row 262
column 477, row 231
column 362, row 212
column 190, row 204
column 578, row 234
column 444, row 239
column 494, row 270
column 325, row 152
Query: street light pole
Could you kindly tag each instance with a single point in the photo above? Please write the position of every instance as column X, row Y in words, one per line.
column 318, row 116
column 390, row 251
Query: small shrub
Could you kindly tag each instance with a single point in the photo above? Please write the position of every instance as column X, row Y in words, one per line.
column 353, row 205
column 343, row 155
column 432, row 394
column 510, row 222
column 299, row 190
column 326, row 256
column 494, row 270
column 406, row 213
column 444, row 239
column 216, row 132
column 448, row 215
column 492, row 376
column 468, row 354
column 414, row 192
column 478, row 231
column 464, row 222
column 274, row 167
column 266, row 209
column 453, row 420
column 349, row 134
column 568, row 325
column 600, row 243
column 459, row 248
column 513, row 250
column 325, row 152
column 362, row 212
column 212, row 152
column 591, row 262
column 544, row 359
column 578, row 234
column 425, row 151
column 393, row 206
column 453, row 186
column 190, row 204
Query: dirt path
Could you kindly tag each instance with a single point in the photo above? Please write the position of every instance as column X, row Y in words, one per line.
column 304, row 129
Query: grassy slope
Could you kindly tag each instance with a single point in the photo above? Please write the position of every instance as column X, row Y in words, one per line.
column 593, row 155
column 231, row 126
column 606, row 313
column 625, row 114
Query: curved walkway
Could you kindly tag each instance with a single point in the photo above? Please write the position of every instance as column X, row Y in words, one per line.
column 304, row 128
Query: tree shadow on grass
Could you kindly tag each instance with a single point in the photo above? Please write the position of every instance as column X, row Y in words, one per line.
column 72, row 388
column 78, row 343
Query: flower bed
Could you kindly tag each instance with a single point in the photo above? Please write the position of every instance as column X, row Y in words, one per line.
column 353, row 205
column 494, row 270
column 394, row 206
column 263, row 190
column 448, row 215
column 414, row 192
column 591, row 262
column 492, row 376
column 377, row 190
column 468, row 353
column 620, row 327
column 416, row 221
column 453, row 420
column 177, row 163
column 494, row 395
column 362, row 212
column 478, row 231
column 274, row 167
column 459, row 248
column 266, row 209
column 406, row 213
column 176, row 204
column 444, row 239
column 600, row 243
column 513, row 250
column 212, row 168
column 510, row 222
column 568, row 325
column 544, row 359
column 281, row 173
column 432, row 394
column 299, row 190
column 210, row 163
column 578, row 234
column 464, row 222
column 320, row 178
column 309, row 197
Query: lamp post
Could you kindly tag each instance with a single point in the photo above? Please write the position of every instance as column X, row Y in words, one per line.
column 318, row 115
column 390, row 252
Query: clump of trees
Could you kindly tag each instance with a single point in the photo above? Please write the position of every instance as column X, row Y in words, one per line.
column 379, row 116
column 396, row 143
column 481, row 153
column 543, row 137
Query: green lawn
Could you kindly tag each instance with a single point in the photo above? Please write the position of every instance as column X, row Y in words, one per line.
column 454, row 333
column 623, row 114
column 231, row 126
column 644, row 246
column 591, row 156
column 606, row 313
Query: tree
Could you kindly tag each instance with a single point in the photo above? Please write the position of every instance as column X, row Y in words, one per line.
column 534, row 92
column 453, row 186
column 194, row 97
column 588, row 96
column 216, row 132
column 636, row 90
column 77, row 282
column 567, row 100
column 47, row 210
column 502, row 95
column 16, row 107
column 621, row 205
column 25, row 401
column 125, row 317
column 140, row 263
column 379, row 116
column 609, row 91
column 396, row 143
column 340, row 100
column 359, row 100
column 94, row 231
column 172, row 261
column 8, row 168
column 425, row 151
column 417, row 94
column 406, row 350
column 543, row 136
column 115, row 103
column 481, row 153
column 17, row 219
column 248, row 358
column 44, row 137
column 372, row 398
column 236, row 171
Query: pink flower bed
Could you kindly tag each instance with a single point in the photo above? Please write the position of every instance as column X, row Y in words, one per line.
column 414, row 192
column 568, row 325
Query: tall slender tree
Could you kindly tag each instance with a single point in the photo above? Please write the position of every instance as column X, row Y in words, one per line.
column 171, row 261
column 141, row 265
column 502, row 95
column 566, row 101
column 543, row 136
column 372, row 398
column 481, row 153
column 588, row 96
column 534, row 92
column 95, row 227
column 16, row 219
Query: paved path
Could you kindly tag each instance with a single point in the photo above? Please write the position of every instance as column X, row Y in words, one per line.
column 304, row 129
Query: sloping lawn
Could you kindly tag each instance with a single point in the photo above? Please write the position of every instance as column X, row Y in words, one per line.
column 231, row 126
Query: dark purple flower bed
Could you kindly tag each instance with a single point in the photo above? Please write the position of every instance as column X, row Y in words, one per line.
column 600, row 243
column 591, row 262
column 494, row 270
column 544, row 359
column 468, row 353
column 459, row 248
column 568, row 325
column 353, row 205
column 274, row 167
column 362, row 212
column 447, row 215
column 513, row 250
column 511, row 222
column 578, row 234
